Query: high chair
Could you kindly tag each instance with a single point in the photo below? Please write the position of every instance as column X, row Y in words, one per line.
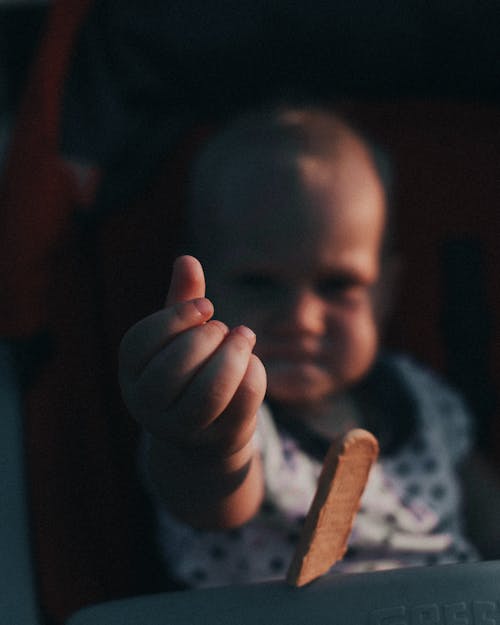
column 445, row 595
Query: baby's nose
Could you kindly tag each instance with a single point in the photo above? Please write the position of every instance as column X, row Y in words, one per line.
column 305, row 312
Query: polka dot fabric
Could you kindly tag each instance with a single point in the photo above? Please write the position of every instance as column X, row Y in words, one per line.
column 409, row 516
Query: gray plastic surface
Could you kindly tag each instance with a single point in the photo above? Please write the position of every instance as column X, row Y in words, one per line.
column 456, row 594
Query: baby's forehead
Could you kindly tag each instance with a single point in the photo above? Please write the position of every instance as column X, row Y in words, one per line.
column 261, row 173
column 264, row 178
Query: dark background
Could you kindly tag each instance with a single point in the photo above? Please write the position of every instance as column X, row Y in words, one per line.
column 366, row 48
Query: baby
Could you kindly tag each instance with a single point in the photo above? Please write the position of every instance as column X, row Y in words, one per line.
column 289, row 216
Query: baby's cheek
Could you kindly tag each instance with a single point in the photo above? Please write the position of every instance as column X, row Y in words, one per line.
column 359, row 341
column 365, row 342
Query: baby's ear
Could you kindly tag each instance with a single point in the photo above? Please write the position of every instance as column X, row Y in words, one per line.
column 387, row 288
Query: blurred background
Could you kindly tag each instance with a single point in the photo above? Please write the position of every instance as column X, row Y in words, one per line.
column 226, row 55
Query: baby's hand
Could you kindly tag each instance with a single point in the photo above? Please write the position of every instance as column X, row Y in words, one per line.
column 188, row 379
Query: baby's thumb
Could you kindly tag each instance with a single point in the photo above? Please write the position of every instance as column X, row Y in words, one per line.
column 187, row 282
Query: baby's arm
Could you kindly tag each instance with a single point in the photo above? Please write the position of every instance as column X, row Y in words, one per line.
column 196, row 386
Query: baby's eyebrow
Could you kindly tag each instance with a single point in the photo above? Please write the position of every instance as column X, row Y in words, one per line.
column 360, row 269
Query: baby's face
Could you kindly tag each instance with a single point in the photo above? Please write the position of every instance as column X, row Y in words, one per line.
column 301, row 268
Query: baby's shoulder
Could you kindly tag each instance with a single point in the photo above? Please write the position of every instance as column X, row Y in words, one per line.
column 440, row 408
column 426, row 384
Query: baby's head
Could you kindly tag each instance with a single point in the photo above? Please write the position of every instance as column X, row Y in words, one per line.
column 288, row 216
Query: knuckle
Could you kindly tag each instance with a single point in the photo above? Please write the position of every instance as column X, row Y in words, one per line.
column 181, row 311
column 180, row 317
column 206, row 336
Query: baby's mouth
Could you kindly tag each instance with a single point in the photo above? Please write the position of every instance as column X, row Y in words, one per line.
column 297, row 367
column 294, row 364
column 298, row 380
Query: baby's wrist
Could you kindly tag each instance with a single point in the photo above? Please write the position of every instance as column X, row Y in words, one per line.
column 201, row 458
column 206, row 490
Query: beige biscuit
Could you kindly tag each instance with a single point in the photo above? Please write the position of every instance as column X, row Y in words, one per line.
column 328, row 524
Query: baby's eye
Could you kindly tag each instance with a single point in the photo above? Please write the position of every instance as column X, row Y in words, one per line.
column 341, row 289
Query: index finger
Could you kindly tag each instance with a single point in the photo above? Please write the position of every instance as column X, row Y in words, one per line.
column 150, row 335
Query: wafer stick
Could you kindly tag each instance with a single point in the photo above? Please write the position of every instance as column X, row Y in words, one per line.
column 328, row 523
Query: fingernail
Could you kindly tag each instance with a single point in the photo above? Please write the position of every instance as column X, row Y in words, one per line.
column 246, row 332
column 204, row 306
